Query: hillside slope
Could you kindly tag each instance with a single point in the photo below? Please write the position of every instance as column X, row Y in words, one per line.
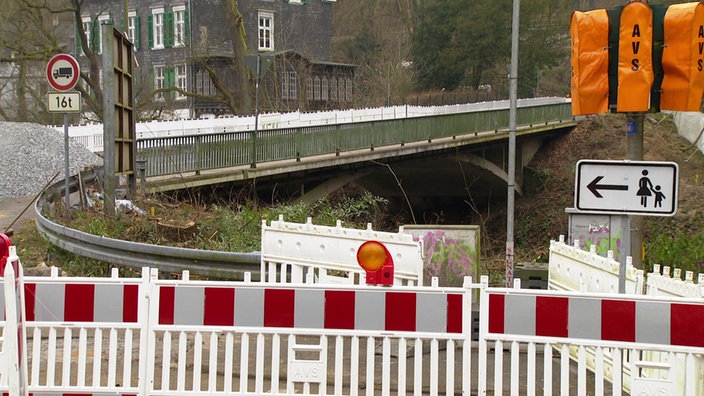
column 550, row 178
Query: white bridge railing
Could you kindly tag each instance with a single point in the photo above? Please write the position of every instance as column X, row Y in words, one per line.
column 91, row 135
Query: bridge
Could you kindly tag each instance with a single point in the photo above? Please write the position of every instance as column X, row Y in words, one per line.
column 310, row 155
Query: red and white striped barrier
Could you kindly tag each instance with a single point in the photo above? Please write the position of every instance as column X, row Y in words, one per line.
column 81, row 302
column 579, row 316
column 383, row 309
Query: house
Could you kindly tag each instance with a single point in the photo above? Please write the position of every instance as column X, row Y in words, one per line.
column 177, row 41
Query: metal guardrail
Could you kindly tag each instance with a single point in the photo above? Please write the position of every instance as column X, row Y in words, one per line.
column 208, row 263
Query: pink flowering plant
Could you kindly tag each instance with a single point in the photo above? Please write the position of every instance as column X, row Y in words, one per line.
column 448, row 259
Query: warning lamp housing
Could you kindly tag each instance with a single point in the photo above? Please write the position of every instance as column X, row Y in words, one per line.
column 376, row 260
column 4, row 251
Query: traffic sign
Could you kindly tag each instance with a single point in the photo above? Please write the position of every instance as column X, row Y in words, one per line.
column 63, row 72
column 64, row 102
column 626, row 187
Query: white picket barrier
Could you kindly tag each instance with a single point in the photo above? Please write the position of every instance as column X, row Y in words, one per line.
column 290, row 251
column 572, row 268
column 150, row 336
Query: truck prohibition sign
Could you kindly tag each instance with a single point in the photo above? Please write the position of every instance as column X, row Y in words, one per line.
column 63, row 72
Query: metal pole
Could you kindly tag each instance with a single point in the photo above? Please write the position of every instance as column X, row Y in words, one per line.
column 513, row 100
column 256, row 115
column 67, row 191
column 634, row 138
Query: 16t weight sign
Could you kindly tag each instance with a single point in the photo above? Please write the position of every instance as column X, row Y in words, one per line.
column 64, row 102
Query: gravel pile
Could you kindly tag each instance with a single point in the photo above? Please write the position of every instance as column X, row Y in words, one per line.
column 31, row 154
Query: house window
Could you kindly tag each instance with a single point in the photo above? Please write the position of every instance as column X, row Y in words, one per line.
column 289, row 85
column 348, row 90
column 96, row 37
column 333, row 89
column 324, row 88
column 179, row 25
column 133, row 28
column 316, row 88
column 309, row 88
column 157, row 28
column 266, row 31
column 88, row 29
column 341, row 89
column 204, row 85
column 181, row 81
column 159, row 80
column 92, row 31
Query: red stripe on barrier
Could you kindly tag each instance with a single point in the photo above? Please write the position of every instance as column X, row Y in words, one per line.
column 400, row 311
column 454, row 313
column 79, row 302
column 339, row 309
column 496, row 313
column 166, row 305
column 279, row 307
column 219, row 306
column 30, row 294
column 130, row 304
column 687, row 325
column 551, row 316
column 618, row 320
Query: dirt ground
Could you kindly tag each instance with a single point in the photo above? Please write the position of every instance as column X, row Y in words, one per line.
column 15, row 213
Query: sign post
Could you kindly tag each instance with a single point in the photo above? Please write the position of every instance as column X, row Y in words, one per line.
column 63, row 73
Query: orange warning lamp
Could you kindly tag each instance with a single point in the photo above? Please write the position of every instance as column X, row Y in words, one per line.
column 376, row 260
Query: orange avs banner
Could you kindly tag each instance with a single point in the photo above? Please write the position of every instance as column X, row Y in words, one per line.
column 682, row 58
column 589, row 32
column 635, row 58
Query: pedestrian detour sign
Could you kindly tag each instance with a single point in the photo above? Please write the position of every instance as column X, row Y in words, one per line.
column 626, row 187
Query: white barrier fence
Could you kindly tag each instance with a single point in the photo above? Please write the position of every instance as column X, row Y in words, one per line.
column 572, row 268
column 291, row 251
column 150, row 336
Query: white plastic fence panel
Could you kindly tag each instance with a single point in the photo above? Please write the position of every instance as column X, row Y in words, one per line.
column 672, row 285
column 572, row 268
column 289, row 251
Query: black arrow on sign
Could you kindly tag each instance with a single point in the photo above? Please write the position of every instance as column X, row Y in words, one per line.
column 594, row 186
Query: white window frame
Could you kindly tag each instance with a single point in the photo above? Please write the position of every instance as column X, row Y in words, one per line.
column 316, row 88
column 333, row 89
column 132, row 27
column 309, row 88
column 87, row 23
column 289, row 87
column 324, row 89
column 341, row 89
column 179, row 25
column 265, row 31
column 158, row 28
column 101, row 18
column 181, row 77
column 159, row 80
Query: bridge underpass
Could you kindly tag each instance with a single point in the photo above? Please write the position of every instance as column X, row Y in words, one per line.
column 440, row 176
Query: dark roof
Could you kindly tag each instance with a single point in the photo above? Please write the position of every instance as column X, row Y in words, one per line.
column 311, row 61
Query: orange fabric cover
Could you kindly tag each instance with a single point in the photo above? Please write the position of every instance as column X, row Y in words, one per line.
column 589, row 32
column 682, row 59
column 635, row 58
